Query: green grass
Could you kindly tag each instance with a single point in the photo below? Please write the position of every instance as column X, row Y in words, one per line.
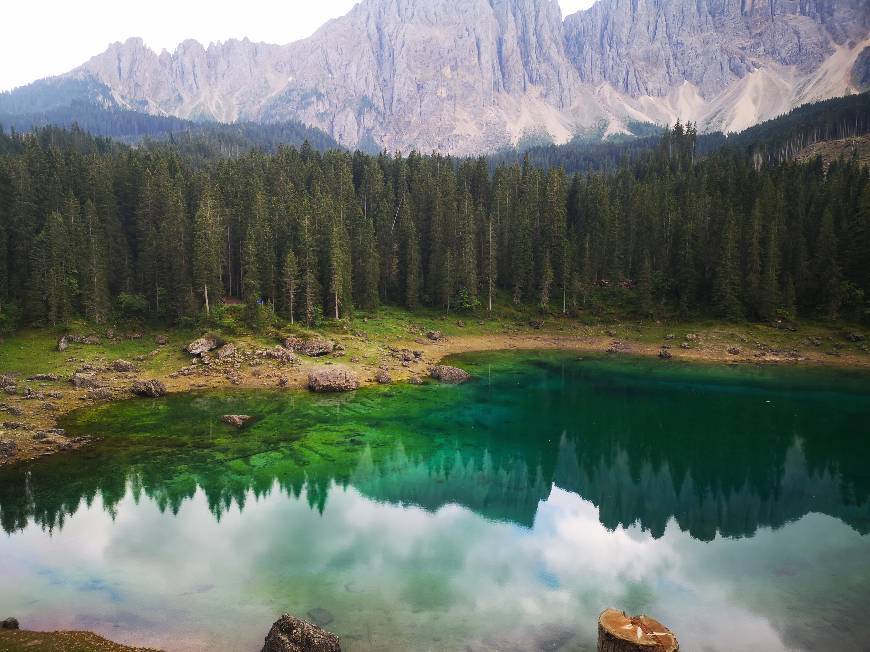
column 32, row 351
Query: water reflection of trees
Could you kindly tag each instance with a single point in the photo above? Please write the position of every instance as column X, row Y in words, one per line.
column 626, row 487
column 724, row 464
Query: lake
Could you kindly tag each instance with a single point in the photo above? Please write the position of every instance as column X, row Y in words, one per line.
column 730, row 502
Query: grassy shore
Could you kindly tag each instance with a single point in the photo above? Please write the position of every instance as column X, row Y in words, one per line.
column 369, row 342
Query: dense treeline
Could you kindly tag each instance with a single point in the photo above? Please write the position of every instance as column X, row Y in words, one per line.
column 94, row 230
column 203, row 139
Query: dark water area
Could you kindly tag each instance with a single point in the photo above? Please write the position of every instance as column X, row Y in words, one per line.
column 733, row 503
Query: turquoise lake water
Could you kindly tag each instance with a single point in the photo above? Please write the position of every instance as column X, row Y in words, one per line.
column 732, row 503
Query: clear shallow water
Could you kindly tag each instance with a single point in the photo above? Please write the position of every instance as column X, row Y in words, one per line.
column 733, row 503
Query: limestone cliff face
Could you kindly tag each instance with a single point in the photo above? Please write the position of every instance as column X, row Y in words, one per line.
column 470, row 76
column 648, row 47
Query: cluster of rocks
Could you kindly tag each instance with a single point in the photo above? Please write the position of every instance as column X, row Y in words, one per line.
column 64, row 341
column 618, row 346
column 8, row 449
column 314, row 348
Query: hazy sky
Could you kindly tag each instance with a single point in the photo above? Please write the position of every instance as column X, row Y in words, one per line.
column 49, row 37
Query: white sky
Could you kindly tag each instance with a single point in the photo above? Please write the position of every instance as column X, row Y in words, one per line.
column 48, row 37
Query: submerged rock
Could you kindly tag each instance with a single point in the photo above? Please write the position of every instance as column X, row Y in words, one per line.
column 149, row 388
column 290, row 634
column 202, row 345
column 333, row 379
column 320, row 616
column 447, row 374
column 236, row 420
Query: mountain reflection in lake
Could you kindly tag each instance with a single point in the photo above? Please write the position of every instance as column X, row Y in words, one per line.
column 503, row 514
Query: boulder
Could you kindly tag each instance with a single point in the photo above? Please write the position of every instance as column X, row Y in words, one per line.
column 447, row 374
column 62, row 343
column 855, row 337
column 100, row 394
column 149, row 388
column 537, row 324
column 9, row 623
column 161, row 340
column 415, row 380
column 664, row 354
column 236, row 420
column 317, row 348
column 8, row 449
column 734, row 350
column 383, row 377
column 123, row 366
column 202, row 345
column 333, row 379
column 290, row 634
column 434, row 335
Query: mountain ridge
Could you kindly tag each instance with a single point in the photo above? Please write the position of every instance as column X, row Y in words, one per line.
column 471, row 77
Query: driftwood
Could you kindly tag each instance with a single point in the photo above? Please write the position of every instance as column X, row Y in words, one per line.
column 618, row 632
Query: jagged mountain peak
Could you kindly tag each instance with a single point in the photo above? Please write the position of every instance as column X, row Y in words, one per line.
column 472, row 76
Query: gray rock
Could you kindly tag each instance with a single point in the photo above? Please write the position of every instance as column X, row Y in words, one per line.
column 8, row 449
column 86, row 380
column 202, row 345
column 62, row 343
column 290, row 634
column 332, row 379
column 226, row 352
column 383, row 377
column 448, row 374
column 149, row 388
column 434, row 335
column 317, row 348
column 9, row 623
column 44, row 377
column 123, row 366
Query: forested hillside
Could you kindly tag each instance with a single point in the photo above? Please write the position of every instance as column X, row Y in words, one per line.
column 209, row 139
column 95, row 229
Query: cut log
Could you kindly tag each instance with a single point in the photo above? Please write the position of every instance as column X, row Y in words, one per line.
column 618, row 632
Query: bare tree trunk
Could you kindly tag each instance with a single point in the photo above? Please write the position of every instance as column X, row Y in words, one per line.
column 618, row 632
column 205, row 293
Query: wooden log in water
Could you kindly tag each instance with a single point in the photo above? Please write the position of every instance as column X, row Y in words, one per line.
column 618, row 632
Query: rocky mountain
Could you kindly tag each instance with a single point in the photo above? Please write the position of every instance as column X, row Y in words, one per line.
column 471, row 76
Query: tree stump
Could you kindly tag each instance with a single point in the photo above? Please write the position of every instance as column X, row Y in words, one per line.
column 618, row 632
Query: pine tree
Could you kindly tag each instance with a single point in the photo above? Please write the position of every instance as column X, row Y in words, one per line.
column 769, row 290
column 827, row 267
column 208, row 247
column 644, row 285
column 726, row 287
column 291, row 284
column 94, row 267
